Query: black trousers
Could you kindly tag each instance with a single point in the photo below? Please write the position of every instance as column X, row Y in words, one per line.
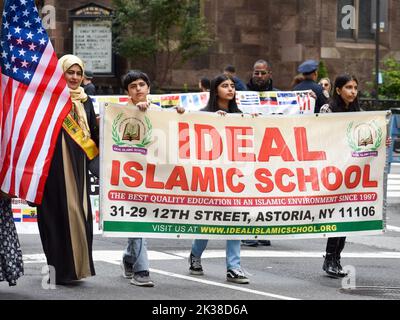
column 335, row 245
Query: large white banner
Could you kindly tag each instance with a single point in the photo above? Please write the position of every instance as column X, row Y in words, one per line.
column 201, row 175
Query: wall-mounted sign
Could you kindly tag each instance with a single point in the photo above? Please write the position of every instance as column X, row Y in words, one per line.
column 92, row 37
column 93, row 44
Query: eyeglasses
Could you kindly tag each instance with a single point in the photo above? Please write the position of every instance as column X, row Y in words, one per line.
column 257, row 73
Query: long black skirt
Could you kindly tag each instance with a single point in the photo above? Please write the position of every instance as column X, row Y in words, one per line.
column 65, row 215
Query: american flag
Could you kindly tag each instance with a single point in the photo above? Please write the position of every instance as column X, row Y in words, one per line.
column 34, row 101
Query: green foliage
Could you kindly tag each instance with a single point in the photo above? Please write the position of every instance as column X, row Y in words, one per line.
column 322, row 70
column 164, row 33
column 390, row 88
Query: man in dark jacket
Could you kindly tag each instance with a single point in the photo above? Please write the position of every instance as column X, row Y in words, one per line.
column 261, row 79
column 309, row 69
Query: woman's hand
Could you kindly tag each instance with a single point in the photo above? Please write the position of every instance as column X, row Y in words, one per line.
column 221, row 113
column 143, row 106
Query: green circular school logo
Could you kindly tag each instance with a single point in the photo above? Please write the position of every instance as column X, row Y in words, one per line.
column 364, row 139
column 131, row 133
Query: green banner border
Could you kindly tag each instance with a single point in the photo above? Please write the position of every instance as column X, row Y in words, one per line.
column 170, row 228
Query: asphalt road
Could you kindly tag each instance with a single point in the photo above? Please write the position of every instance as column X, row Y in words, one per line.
column 288, row 269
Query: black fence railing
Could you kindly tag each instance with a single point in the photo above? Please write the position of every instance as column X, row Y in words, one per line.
column 372, row 104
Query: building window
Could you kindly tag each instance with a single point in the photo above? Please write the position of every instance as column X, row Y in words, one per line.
column 354, row 20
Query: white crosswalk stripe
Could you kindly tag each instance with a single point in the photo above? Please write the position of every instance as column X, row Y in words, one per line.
column 393, row 186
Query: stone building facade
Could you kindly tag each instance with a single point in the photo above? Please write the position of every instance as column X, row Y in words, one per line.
column 284, row 32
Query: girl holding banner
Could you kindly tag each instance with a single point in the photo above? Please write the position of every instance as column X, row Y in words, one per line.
column 222, row 100
column 65, row 215
column 344, row 99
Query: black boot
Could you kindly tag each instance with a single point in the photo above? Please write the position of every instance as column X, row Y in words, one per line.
column 341, row 273
column 330, row 266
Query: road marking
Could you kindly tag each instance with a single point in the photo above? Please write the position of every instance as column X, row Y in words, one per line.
column 223, row 285
column 291, row 254
column 393, row 228
column 114, row 256
column 216, row 284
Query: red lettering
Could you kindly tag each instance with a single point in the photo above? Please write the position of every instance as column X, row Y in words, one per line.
column 234, row 143
column 130, row 168
column 266, row 184
column 366, row 182
column 204, row 182
column 303, row 179
column 348, row 181
column 150, row 183
column 229, row 180
column 215, row 151
column 303, row 154
column 184, row 140
column 220, row 180
column 115, row 168
column 266, row 151
column 177, row 178
column 279, row 180
column 326, row 172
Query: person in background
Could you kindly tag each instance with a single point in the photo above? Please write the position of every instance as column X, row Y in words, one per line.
column 88, row 86
column 296, row 80
column 230, row 71
column 204, row 84
column 65, row 215
column 222, row 101
column 326, row 85
column 309, row 69
column 261, row 79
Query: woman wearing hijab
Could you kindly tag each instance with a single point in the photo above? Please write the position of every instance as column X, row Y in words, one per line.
column 65, row 215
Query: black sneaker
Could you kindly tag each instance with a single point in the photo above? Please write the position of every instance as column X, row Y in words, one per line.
column 236, row 276
column 142, row 279
column 250, row 243
column 264, row 242
column 127, row 269
column 195, row 265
